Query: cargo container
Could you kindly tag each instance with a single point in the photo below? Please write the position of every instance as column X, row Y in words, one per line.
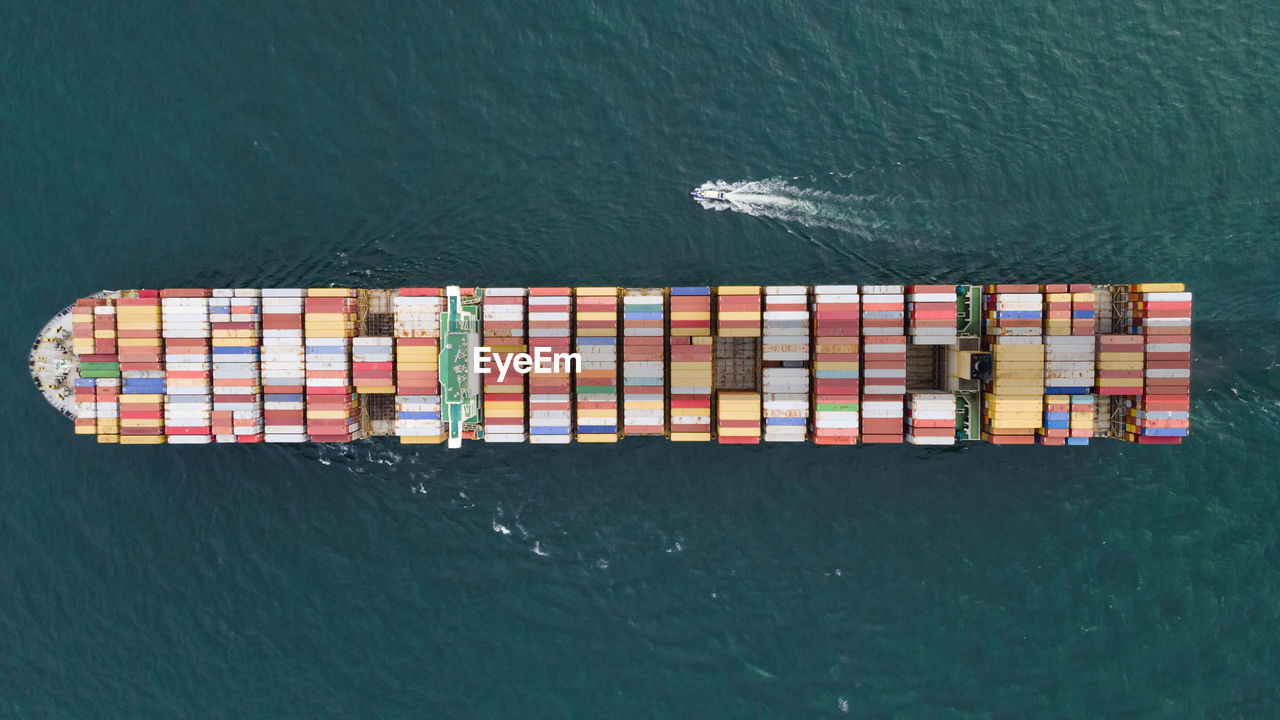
column 596, row 382
column 1119, row 364
column 142, row 369
column 416, row 326
column 550, row 394
column 837, row 364
column 738, row 417
column 644, row 361
column 931, row 418
column 283, row 365
column 1013, row 403
column 785, row 358
column 188, row 365
column 691, row 364
column 333, row 407
column 884, row 363
column 931, row 310
column 373, row 365
column 1161, row 314
column 503, row 318
column 1056, row 364
column 94, row 341
column 235, row 326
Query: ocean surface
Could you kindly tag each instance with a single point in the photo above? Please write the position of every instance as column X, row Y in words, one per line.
column 151, row 144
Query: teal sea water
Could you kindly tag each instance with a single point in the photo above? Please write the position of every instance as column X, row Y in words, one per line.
column 380, row 144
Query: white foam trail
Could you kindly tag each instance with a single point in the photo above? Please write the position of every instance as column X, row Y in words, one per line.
column 776, row 198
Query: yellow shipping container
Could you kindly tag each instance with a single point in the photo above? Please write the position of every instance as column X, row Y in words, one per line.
column 330, row 292
column 690, row 437
column 596, row 438
column 138, row 325
column 140, row 398
column 597, row 291
column 739, row 432
column 422, row 439
column 143, row 439
column 738, row 290
column 1159, row 287
column 491, row 406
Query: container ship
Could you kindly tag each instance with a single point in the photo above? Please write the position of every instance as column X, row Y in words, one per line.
column 1051, row 364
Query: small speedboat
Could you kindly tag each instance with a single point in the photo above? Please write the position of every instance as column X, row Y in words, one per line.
column 706, row 194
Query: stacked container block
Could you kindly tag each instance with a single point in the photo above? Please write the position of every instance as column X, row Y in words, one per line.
column 691, row 365
column 142, row 384
column 83, row 342
column 1056, row 426
column 1082, row 416
column 837, row 364
column 738, row 417
column 504, row 405
column 1068, row 339
column 643, row 362
column 86, row 406
column 93, row 339
column 1161, row 314
column 785, row 356
column 884, row 363
column 550, row 397
column 931, row 418
column 596, row 338
column 1119, row 359
column 1013, row 403
column 738, row 311
column 235, row 323
column 188, row 365
column 107, row 404
column 932, row 312
column 1014, row 315
column 333, row 408
column 1083, row 313
column 373, row 365
column 417, row 353
column 283, row 365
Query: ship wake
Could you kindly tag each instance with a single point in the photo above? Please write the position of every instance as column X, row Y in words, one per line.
column 778, row 199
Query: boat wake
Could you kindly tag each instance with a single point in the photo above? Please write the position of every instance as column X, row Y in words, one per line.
column 778, row 199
